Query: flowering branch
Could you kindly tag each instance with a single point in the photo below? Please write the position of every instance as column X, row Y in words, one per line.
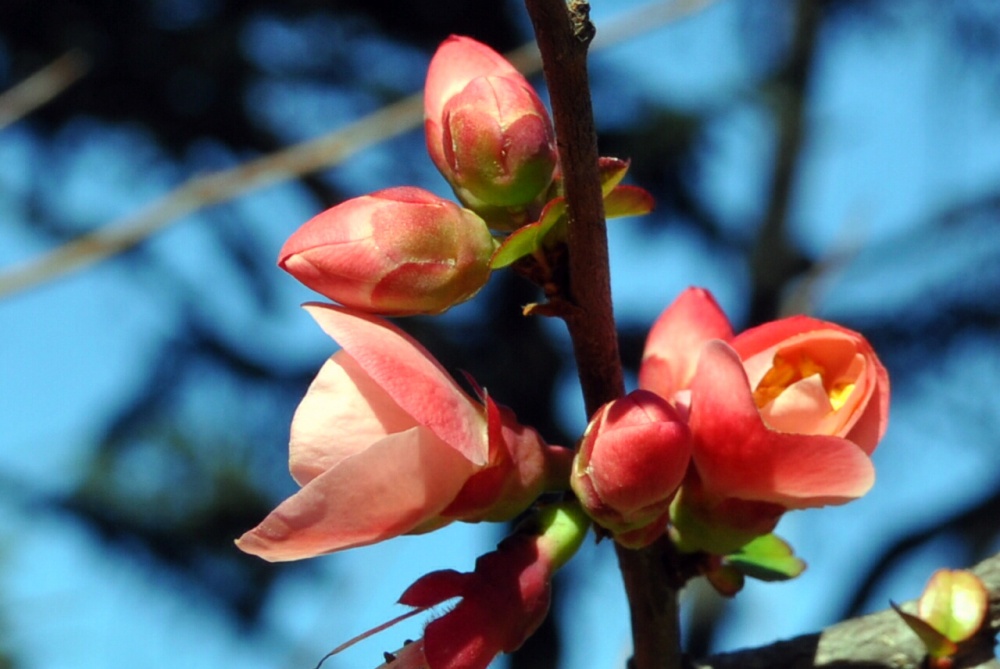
column 875, row 641
column 591, row 323
column 563, row 35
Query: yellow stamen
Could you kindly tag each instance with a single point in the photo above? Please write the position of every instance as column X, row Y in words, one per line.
column 839, row 394
column 785, row 372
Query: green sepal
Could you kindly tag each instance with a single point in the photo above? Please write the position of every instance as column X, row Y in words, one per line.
column 937, row 644
column 767, row 558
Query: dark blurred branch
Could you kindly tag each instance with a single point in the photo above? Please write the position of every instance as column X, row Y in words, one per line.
column 773, row 261
column 877, row 641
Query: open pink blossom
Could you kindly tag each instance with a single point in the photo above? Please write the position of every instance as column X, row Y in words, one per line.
column 386, row 443
column 487, row 130
column 782, row 416
column 503, row 601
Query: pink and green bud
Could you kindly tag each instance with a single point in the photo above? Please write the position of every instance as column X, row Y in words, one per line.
column 395, row 252
column 631, row 461
column 487, row 130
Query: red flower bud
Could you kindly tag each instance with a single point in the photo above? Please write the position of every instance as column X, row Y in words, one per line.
column 632, row 459
column 487, row 130
column 396, row 252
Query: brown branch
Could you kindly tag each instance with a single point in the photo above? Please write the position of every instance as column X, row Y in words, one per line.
column 563, row 34
column 591, row 324
column 876, row 641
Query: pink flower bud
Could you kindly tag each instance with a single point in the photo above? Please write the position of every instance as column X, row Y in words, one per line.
column 633, row 457
column 487, row 131
column 396, row 252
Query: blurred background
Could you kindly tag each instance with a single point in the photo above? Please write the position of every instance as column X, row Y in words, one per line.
column 834, row 157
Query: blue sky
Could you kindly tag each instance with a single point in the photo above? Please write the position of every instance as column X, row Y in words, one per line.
column 900, row 129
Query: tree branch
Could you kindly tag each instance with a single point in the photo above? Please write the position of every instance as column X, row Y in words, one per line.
column 876, row 641
column 563, row 34
column 563, row 38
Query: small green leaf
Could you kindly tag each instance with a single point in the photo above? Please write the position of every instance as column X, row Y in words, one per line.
column 551, row 225
column 937, row 644
column 954, row 603
column 767, row 558
column 528, row 239
column 522, row 242
column 627, row 201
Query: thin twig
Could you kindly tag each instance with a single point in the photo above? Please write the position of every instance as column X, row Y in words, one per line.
column 295, row 161
column 45, row 84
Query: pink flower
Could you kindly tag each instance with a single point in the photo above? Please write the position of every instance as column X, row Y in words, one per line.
column 631, row 461
column 782, row 416
column 385, row 443
column 504, row 600
column 487, row 131
column 398, row 251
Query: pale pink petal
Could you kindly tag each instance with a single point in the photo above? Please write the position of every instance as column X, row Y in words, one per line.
column 737, row 456
column 389, row 489
column 456, row 62
column 343, row 412
column 800, row 408
column 671, row 354
column 870, row 427
column 843, row 354
column 410, row 376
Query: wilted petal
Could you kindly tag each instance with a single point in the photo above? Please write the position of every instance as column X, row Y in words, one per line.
column 738, row 456
column 389, row 489
column 408, row 374
column 671, row 354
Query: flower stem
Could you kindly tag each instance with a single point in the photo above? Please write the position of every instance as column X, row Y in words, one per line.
column 562, row 38
column 563, row 33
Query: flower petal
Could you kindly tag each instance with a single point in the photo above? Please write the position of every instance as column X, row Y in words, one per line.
column 738, row 456
column 391, row 488
column 671, row 354
column 343, row 412
column 410, row 376
column 842, row 353
column 456, row 62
